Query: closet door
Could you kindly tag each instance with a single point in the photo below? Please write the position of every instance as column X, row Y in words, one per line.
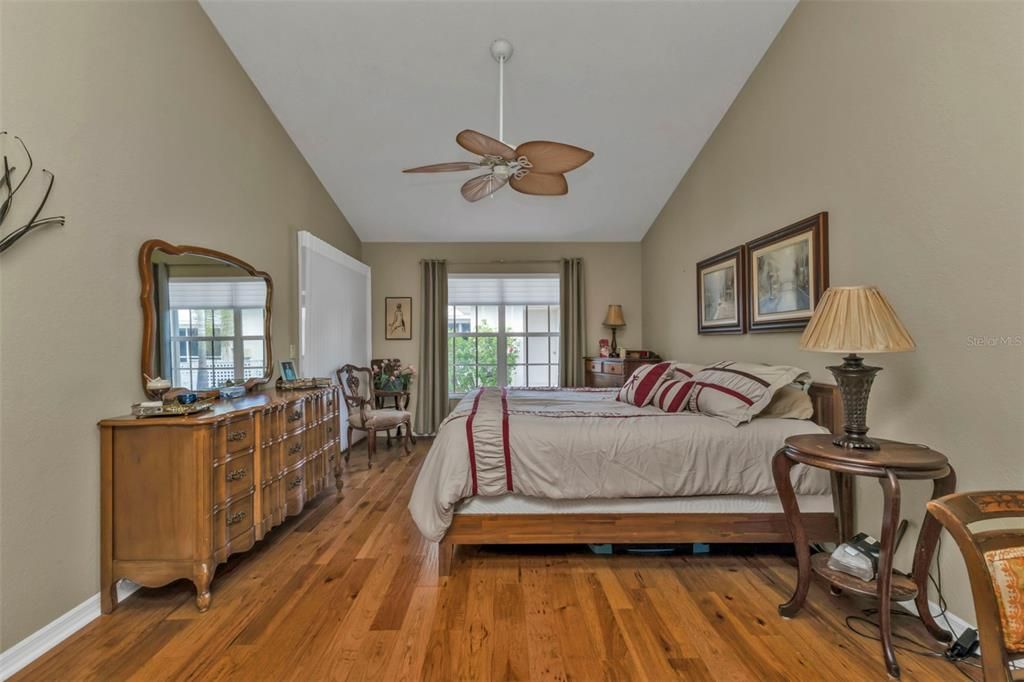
column 334, row 312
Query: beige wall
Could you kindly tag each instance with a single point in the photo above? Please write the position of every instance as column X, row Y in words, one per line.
column 153, row 130
column 611, row 275
column 904, row 122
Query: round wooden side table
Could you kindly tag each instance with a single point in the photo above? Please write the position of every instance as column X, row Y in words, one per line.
column 891, row 463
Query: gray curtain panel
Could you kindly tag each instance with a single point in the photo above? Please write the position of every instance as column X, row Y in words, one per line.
column 572, row 340
column 432, row 387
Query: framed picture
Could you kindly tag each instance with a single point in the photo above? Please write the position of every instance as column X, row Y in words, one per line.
column 288, row 372
column 398, row 318
column 788, row 271
column 721, row 293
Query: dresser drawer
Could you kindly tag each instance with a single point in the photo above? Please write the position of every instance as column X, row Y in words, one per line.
column 294, row 416
column 232, row 521
column 294, row 448
column 330, row 430
column 294, row 490
column 238, row 434
column 594, row 366
column 233, row 478
column 613, row 368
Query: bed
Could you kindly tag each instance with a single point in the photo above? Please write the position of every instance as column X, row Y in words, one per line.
column 558, row 466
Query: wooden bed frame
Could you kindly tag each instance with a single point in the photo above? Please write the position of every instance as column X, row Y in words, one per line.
column 510, row 529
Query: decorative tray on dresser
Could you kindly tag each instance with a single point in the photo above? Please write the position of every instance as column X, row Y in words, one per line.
column 181, row 494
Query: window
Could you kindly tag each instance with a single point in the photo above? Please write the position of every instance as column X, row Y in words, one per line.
column 216, row 330
column 502, row 331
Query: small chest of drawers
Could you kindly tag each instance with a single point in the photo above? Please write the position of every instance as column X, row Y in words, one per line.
column 610, row 372
column 181, row 494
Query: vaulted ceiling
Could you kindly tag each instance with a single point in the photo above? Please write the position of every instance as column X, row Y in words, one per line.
column 367, row 88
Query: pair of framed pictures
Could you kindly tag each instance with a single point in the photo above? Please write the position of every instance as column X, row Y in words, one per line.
column 772, row 283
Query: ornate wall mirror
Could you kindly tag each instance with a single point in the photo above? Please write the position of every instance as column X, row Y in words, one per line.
column 206, row 317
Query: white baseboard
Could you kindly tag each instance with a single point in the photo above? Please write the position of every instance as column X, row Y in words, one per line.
column 55, row 632
column 958, row 624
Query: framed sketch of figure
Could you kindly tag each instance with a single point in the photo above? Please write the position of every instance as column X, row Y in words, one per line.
column 398, row 318
column 721, row 293
column 788, row 274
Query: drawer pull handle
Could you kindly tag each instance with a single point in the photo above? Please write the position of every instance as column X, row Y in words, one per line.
column 237, row 474
column 330, row 429
column 330, row 402
column 295, row 449
column 295, row 416
column 236, row 435
column 295, row 483
column 236, row 518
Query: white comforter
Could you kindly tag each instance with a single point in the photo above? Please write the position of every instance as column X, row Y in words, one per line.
column 580, row 444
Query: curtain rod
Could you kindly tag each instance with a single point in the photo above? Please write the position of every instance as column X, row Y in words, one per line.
column 499, row 261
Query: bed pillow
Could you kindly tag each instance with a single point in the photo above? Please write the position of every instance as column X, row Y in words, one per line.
column 641, row 385
column 789, row 402
column 685, row 370
column 673, row 395
column 736, row 392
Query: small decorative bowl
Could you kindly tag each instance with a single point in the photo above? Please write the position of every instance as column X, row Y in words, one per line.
column 187, row 398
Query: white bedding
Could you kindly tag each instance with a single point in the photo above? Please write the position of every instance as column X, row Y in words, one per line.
column 583, row 444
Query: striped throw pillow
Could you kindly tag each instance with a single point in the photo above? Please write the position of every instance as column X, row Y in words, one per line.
column 641, row 385
column 673, row 395
column 736, row 392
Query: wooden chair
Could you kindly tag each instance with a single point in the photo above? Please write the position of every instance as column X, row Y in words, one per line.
column 363, row 415
column 995, row 566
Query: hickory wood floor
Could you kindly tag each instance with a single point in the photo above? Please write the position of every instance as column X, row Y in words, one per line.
column 349, row 591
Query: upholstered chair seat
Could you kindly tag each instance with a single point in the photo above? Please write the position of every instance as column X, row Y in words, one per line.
column 379, row 419
column 364, row 415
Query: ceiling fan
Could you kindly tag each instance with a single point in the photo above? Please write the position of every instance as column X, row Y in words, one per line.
column 535, row 167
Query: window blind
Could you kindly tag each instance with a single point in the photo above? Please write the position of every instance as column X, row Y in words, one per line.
column 216, row 292
column 506, row 289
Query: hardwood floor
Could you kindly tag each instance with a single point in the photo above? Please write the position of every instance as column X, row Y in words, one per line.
column 349, row 591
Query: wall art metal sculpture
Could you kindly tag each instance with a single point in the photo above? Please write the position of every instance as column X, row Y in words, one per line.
column 10, row 186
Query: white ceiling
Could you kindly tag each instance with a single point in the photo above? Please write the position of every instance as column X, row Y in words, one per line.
column 370, row 87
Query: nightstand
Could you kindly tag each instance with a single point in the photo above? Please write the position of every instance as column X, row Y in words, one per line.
column 610, row 372
column 889, row 464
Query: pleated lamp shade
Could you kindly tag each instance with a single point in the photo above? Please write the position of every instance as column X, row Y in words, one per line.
column 855, row 320
column 614, row 317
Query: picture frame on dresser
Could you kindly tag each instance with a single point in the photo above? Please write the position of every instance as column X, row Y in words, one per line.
column 721, row 293
column 787, row 273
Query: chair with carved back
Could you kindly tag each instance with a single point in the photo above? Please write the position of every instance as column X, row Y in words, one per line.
column 995, row 566
column 363, row 415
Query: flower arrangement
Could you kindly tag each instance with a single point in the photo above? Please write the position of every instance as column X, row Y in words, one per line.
column 390, row 375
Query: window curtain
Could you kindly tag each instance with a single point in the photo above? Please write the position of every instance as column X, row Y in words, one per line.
column 572, row 338
column 432, row 388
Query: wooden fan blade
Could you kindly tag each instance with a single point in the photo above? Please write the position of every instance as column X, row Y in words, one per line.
column 541, row 184
column 553, row 157
column 444, row 167
column 481, row 186
column 478, row 143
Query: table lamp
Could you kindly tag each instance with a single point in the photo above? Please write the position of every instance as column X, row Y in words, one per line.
column 855, row 320
column 613, row 320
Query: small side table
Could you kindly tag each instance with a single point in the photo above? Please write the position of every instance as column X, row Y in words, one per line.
column 893, row 462
column 401, row 399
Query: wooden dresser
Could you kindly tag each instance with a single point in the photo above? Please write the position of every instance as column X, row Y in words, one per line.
column 181, row 494
column 610, row 372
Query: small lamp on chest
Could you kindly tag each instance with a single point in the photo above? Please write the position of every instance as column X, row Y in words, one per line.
column 614, row 320
column 855, row 320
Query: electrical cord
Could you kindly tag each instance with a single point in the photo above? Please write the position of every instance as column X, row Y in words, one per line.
column 923, row 649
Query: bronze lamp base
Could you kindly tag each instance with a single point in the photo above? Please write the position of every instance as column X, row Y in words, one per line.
column 854, row 379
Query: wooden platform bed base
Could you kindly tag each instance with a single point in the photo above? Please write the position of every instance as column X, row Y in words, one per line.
column 549, row 529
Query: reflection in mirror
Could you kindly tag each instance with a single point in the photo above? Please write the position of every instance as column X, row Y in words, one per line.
column 210, row 319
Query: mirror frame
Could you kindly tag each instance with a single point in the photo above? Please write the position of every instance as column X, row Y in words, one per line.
column 149, row 304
